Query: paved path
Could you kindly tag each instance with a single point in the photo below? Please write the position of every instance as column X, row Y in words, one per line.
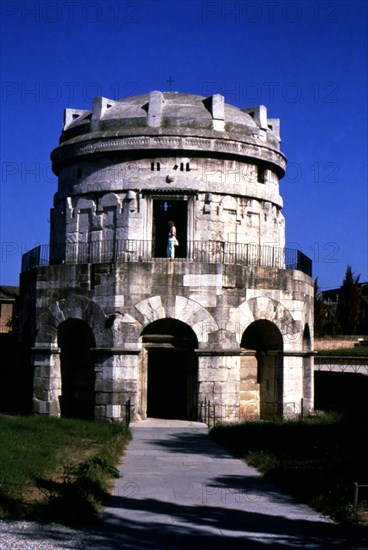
column 179, row 490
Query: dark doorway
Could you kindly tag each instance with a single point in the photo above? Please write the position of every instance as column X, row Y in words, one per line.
column 76, row 339
column 172, row 370
column 167, row 391
column 165, row 210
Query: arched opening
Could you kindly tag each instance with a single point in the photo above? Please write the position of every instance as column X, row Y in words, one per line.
column 169, row 371
column 265, row 339
column 75, row 340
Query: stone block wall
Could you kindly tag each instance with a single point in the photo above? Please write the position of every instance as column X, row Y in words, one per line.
column 231, row 203
column 218, row 303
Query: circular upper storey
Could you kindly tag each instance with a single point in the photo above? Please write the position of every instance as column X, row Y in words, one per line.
column 163, row 123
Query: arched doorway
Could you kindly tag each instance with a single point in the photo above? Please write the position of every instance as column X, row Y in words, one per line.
column 265, row 339
column 75, row 340
column 170, row 370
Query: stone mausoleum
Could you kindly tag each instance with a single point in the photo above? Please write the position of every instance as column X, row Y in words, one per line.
column 226, row 325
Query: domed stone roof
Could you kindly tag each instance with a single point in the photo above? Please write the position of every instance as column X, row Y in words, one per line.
column 150, row 121
column 193, row 112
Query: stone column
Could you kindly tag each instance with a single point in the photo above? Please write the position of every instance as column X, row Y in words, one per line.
column 47, row 380
column 219, row 383
column 293, row 385
column 308, row 383
column 249, row 386
column 116, row 382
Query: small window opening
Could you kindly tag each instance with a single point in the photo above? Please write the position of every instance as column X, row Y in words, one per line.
column 187, row 167
column 261, row 175
column 75, row 116
column 182, row 167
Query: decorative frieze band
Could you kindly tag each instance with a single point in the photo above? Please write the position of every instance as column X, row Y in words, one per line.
column 184, row 143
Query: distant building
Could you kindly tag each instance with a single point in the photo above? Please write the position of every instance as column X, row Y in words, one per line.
column 11, row 375
column 112, row 316
column 8, row 307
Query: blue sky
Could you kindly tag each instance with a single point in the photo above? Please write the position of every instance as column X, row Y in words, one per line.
column 305, row 60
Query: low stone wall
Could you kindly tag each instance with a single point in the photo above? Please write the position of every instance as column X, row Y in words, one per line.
column 335, row 343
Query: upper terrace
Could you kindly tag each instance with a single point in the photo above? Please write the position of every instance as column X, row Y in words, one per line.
column 128, row 250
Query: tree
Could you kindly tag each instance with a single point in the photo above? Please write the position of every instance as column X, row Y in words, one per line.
column 348, row 308
column 320, row 310
column 13, row 324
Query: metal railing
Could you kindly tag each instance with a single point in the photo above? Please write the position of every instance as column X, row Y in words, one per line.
column 129, row 250
column 212, row 413
column 207, row 413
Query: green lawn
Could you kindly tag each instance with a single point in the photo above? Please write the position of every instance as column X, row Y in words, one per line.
column 317, row 460
column 51, row 466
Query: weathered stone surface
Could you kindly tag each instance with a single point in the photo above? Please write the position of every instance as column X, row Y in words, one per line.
column 112, row 398
column 39, row 405
column 113, row 411
column 100, row 412
column 105, row 385
column 40, row 393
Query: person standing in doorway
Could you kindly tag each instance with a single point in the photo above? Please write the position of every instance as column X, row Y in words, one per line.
column 172, row 241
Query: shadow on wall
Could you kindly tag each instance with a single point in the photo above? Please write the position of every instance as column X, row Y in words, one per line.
column 15, row 377
column 340, row 391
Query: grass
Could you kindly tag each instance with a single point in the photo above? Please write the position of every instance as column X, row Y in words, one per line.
column 316, row 460
column 54, row 469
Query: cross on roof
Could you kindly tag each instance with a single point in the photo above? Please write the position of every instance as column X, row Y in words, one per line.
column 170, row 81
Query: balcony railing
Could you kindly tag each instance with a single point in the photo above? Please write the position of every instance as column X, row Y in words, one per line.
column 128, row 250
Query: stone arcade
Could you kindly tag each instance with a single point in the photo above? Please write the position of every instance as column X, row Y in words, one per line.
column 107, row 317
